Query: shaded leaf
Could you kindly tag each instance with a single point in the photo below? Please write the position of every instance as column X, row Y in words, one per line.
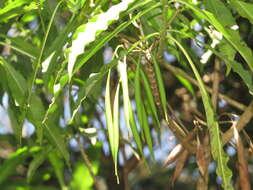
column 141, row 112
column 38, row 159
column 244, row 9
column 58, row 140
column 216, row 143
column 16, row 82
column 160, row 85
column 8, row 167
column 58, row 166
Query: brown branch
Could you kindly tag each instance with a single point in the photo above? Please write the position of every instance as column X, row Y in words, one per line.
column 125, row 170
column 87, row 163
column 182, row 137
column 178, row 71
column 244, row 119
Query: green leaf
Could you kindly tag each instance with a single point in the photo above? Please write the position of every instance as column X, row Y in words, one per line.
column 42, row 49
column 20, row 45
column 141, row 112
column 220, row 11
column 8, row 167
column 244, row 9
column 38, row 159
column 58, row 166
column 228, row 56
column 129, row 116
column 58, row 140
column 160, row 85
column 112, row 122
column 16, row 8
column 15, row 125
column 246, row 75
column 91, row 82
column 231, row 36
column 100, row 42
column 225, row 17
column 54, row 50
column 16, row 82
column 216, row 143
column 35, row 115
column 80, row 173
column 88, row 32
column 186, row 83
column 116, row 130
column 150, row 98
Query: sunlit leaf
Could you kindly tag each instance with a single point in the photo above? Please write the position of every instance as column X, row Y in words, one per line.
column 112, row 121
column 87, row 33
column 129, row 116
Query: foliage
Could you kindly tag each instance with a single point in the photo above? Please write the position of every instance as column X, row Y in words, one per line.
column 78, row 77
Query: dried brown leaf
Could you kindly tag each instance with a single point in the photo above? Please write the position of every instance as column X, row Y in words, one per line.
column 242, row 160
column 173, row 155
column 179, row 166
column 202, row 155
column 203, row 158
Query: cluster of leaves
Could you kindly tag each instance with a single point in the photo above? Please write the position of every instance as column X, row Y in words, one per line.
column 53, row 68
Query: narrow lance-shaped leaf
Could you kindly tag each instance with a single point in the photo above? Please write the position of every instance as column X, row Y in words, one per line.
column 216, row 143
column 160, row 86
column 58, row 141
column 129, row 116
column 148, row 93
column 116, row 130
column 141, row 112
column 58, row 167
column 113, row 130
column 122, row 68
column 87, row 33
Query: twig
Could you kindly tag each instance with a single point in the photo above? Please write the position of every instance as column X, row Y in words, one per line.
column 244, row 119
column 176, row 118
column 125, row 170
column 87, row 163
column 178, row 71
